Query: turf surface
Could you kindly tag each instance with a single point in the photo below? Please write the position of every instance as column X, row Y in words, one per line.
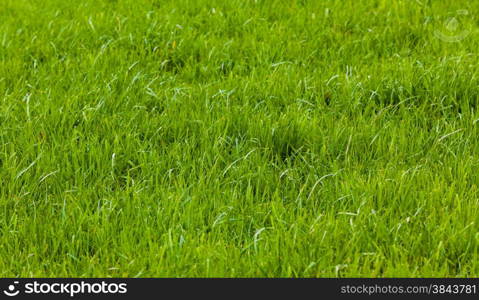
column 239, row 138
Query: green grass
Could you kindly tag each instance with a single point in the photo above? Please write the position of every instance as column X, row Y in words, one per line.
column 239, row 138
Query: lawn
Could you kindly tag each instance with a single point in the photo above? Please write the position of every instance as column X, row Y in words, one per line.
column 241, row 138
